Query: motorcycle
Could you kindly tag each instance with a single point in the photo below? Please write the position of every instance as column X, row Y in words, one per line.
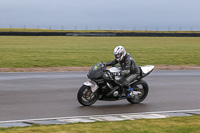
column 104, row 85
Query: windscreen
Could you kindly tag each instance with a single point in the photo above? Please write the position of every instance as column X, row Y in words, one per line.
column 96, row 71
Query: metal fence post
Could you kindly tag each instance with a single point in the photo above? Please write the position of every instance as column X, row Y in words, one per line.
column 145, row 28
column 10, row 27
column 157, row 28
column 168, row 28
column 134, row 28
column 99, row 28
column 179, row 28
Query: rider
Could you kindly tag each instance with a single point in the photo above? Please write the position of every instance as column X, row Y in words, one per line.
column 130, row 70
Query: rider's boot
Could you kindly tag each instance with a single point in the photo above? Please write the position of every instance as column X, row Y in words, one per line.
column 129, row 92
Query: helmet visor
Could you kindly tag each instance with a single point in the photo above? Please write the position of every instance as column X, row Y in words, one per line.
column 117, row 56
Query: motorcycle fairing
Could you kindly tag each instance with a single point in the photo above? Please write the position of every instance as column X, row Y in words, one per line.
column 146, row 69
column 96, row 71
column 115, row 69
column 92, row 85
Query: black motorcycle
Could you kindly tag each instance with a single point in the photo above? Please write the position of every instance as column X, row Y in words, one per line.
column 104, row 85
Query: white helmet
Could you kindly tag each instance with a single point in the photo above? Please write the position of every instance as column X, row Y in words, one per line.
column 119, row 53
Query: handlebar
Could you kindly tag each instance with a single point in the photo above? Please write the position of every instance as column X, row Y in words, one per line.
column 109, row 74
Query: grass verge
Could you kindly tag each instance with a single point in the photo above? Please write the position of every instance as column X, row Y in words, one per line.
column 188, row 124
column 61, row 51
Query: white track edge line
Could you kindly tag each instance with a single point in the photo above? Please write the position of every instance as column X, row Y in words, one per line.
column 56, row 118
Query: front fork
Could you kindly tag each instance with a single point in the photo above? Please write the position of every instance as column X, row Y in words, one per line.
column 92, row 85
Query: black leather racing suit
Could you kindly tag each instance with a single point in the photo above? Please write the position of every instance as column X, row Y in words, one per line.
column 130, row 70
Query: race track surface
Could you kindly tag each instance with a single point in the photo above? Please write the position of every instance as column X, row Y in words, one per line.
column 35, row 95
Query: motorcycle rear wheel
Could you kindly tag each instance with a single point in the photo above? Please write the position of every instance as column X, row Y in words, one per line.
column 86, row 97
column 140, row 86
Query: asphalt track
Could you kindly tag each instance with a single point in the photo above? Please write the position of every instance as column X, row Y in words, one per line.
column 53, row 94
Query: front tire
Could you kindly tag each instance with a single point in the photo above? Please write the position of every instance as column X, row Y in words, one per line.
column 86, row 97
column 140, row 86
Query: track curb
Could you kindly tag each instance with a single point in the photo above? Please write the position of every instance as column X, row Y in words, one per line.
column 94, row 118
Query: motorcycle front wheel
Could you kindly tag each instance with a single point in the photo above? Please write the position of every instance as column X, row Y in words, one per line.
column 142, row 87
column 86, row 97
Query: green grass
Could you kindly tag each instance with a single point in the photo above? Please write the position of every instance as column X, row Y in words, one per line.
column 56, row 51
column 189, row 124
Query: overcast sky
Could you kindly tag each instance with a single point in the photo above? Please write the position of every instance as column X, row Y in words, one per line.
column 101, row 14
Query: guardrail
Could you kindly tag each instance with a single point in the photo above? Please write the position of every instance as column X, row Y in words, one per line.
column 146, row 34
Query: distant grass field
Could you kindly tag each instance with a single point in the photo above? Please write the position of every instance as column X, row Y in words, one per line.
column 56, row 51
column 189, row 124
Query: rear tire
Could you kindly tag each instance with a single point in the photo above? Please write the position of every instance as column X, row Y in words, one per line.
column 140, row 86
column 86, row 97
